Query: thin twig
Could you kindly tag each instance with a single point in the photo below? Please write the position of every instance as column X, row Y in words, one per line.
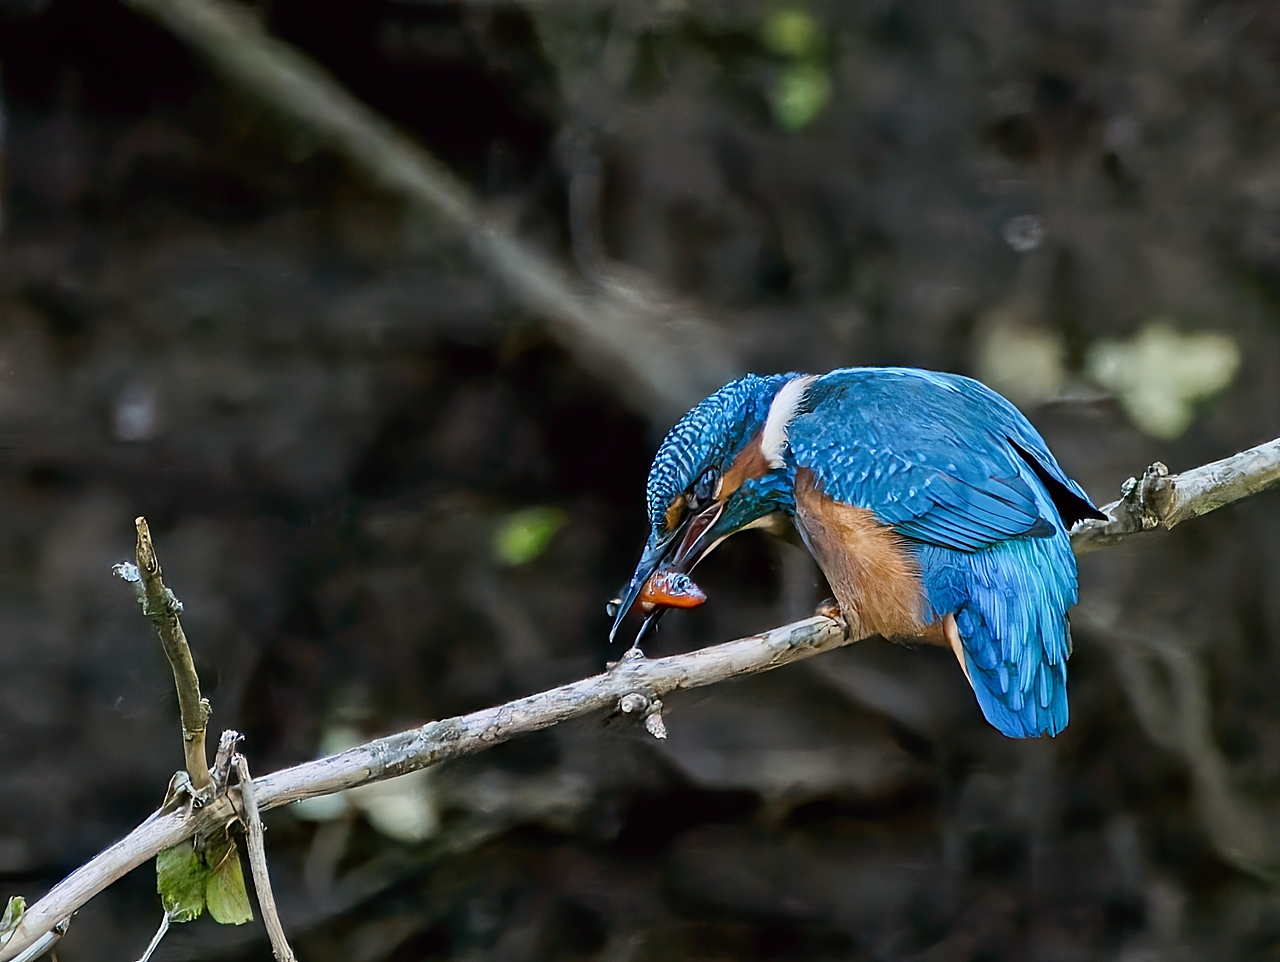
column 156, row 939
column 258, row 861
column 635, row 675
column 666, row 355
column 45, row 943
column 162, row 609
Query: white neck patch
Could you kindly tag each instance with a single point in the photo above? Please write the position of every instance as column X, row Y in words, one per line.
column 773, row 439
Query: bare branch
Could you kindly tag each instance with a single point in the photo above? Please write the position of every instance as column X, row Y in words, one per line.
column 1194, row 493
column 258, row 862
column 668, row 356
column 1164, row 500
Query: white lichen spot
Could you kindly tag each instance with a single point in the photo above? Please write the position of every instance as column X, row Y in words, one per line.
column 1023, row 233
column 135, row 415
column 127, row 571
column 655, row 726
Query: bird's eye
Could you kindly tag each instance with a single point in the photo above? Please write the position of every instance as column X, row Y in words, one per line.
column 704, row 489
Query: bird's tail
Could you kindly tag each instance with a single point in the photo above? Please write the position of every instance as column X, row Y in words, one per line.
column 1010, row 603
column 1015, row 633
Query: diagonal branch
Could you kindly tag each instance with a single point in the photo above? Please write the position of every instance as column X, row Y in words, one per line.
column 667, row 356
column 632, row 685
column 435, row 742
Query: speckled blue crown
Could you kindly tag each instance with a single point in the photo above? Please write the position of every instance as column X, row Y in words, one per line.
column 710, row 433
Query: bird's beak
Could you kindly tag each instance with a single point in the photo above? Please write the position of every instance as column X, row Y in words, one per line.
column 661, row 578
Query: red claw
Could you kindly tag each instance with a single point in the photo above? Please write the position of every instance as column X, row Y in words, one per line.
column 670, row 589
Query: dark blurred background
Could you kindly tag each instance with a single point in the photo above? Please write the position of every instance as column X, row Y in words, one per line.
column 386, row 492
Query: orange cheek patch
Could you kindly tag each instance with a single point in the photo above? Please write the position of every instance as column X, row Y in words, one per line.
column 675, row 512
column 670, row 589
column 750, row 463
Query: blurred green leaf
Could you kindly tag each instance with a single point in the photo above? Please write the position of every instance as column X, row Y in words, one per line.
column 799, row 94
column 180, row 879
column 1161, row 373
column 225, row 892
column 1023, row 361
column 791, row 32
column 523, row 535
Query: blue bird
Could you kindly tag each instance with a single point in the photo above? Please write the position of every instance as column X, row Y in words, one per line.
column 930, row 503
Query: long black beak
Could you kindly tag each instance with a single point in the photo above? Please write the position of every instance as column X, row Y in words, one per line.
column 679, row 552
column 654, row 553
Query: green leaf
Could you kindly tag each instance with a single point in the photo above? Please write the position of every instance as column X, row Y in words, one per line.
column 523, row 535
column 12, row 917
column 225, row 892
column 1161, row 374
column 799, row 93
column 791, row 32
column 180, row 879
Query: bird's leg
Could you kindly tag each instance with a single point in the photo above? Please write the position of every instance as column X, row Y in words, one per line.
column 649, row 622
column 831, row 609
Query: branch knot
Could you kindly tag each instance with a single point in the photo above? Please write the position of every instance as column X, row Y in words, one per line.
column 633, row 702
column 1150, row 498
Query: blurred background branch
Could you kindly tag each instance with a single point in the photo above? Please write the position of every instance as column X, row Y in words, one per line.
column 1169, row 690
column 663, row 352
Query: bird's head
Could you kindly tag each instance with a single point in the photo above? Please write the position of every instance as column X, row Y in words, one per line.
column 721, row 469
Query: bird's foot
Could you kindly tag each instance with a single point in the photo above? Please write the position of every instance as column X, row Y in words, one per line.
column 632, row 654
column 831, row 609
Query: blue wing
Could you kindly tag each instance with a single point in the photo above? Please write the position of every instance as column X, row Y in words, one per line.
column 956, row 469
column 934, row 455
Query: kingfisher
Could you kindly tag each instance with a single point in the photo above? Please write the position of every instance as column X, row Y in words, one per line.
column 933, row 507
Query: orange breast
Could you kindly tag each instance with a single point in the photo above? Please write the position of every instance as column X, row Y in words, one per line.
column 871, row 570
